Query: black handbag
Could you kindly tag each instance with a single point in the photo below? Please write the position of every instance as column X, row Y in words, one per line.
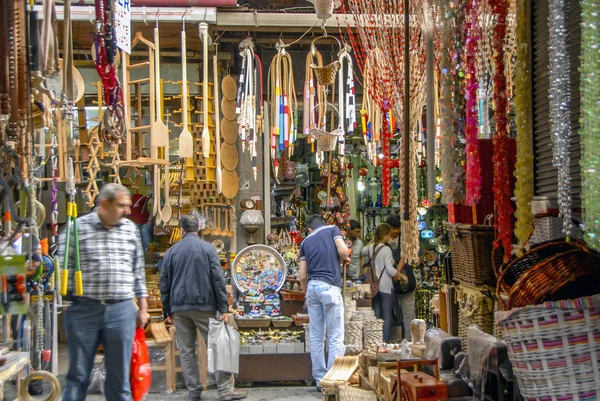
column 400, row 287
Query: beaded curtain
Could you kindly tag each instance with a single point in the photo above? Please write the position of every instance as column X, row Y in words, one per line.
column 380, row 35
column 590, row 121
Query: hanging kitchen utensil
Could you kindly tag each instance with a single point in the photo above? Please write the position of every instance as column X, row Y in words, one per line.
column 219, row 175
column 218, row 232
column 215, row 230
column 230, row 232
column 167, row 211
column 205, row 133
column 229, row 88
column 186, row 141
column 207, row 229
column 230, row 184
column 229, row 129
column 229, row 156
column 228, row 109
column 159, row 132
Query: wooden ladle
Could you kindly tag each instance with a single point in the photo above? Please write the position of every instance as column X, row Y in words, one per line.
column 230, row 232
column 216, row 231
column 206, row 230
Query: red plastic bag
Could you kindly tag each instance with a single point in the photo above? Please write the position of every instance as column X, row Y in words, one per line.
column 140, row 376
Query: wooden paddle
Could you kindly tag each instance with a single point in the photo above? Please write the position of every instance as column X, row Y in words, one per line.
column 186, row 141
column 159, row 134
column 219, row 174
column 205, row 133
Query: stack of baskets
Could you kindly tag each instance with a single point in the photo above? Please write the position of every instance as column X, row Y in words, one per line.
column 552, row 325
column 554, row 348
column 547, row 225
column 551, row 271
column 372, row 332
column 353, row 332
column 471, row 246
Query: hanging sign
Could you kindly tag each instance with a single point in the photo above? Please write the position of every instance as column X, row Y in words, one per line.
column 123, row 24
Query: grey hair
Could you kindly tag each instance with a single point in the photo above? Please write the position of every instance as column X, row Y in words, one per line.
column 189, row 223
column 110, row 192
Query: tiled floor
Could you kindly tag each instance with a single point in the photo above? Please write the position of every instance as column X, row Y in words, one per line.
column 254, row 394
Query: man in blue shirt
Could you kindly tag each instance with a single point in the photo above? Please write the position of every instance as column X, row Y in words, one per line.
column 320, row 276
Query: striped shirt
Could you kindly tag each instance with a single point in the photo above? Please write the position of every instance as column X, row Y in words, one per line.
column 112, row 261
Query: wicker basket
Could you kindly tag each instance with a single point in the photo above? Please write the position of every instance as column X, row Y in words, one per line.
column 551, row 271
column 326, row 141
column 548, row 226
column 347, row 393
column 282, row 323
column 475, row 306
column 326, row 75
column 554, row 348
column 471, row 248
column 253, row 323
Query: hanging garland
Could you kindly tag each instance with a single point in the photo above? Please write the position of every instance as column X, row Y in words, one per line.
column 473, row 162
column 502, row 193
column 523, row 167
column 448, row 138
column 560, row 99
column 458, row 104
column 590, row 121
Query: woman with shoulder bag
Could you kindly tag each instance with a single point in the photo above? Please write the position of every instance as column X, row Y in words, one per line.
column 382, row 275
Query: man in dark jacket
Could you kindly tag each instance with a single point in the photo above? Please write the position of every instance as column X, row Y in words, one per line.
column 193, row 290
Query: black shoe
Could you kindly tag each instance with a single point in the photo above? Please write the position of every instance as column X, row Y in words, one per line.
column 319, row 389
column 196, row 398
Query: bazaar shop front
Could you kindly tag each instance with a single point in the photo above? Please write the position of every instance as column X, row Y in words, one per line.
column 468, row 129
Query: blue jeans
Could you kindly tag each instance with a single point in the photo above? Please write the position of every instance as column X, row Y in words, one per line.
column 88, row 324
column 383, row 305
column 325, row 308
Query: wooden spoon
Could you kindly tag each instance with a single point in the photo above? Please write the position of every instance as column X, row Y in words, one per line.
column 216, row 230
column 230, row 232
column 167, row 211
column 206, row 230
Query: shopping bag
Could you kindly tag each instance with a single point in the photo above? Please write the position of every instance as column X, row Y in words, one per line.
column 140, row 375
column 223, row 347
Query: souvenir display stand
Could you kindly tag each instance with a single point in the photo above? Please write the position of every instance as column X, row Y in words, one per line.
column 254, row 118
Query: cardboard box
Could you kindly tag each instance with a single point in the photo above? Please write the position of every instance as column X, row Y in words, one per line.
column 285, row 348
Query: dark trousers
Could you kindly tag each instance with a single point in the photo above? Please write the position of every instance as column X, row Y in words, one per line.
column 383, row 305
column 89, row 324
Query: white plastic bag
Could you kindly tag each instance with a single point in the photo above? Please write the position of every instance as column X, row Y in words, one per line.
column 223, row 347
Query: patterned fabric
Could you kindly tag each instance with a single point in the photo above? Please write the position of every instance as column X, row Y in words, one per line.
column 112, row 261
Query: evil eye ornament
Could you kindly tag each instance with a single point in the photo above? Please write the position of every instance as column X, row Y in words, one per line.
column 426, row 234
column 422, row 211
column 422, row 225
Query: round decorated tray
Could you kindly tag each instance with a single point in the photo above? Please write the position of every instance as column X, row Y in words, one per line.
column 258, row 268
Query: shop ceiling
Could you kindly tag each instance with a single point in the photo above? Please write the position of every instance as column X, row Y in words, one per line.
column 265, row 21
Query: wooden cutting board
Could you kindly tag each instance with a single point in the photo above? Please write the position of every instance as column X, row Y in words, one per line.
column 229, row 130
column 228, row 109
column 230, row 184
column 229, row 88
column 229, row 156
